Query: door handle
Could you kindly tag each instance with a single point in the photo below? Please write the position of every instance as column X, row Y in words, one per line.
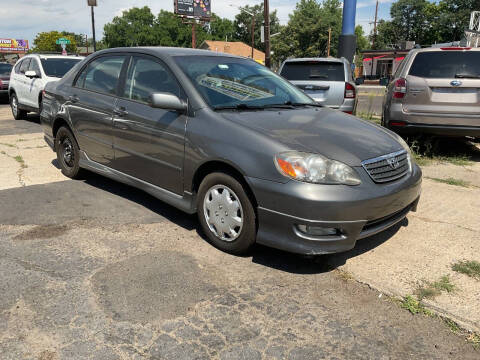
column 73, row 98
column 120, row 111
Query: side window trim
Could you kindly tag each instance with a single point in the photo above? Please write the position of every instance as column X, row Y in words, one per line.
column 121, row 94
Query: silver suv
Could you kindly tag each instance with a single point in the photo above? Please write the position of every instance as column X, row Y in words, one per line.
column 328, row 81
column 435, row 91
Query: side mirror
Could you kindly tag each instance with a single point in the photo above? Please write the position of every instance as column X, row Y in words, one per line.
column 167, row 101
column 31, row 74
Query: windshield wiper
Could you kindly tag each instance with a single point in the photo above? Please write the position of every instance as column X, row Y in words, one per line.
column 318, row 77
column 240, row 106
column 466, row 76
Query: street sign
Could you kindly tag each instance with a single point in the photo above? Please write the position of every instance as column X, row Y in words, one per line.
column 262, row 34
column 193, row 8
column 63, row 41
column 92, row 2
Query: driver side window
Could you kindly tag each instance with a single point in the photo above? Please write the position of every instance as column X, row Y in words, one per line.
column 146, row 77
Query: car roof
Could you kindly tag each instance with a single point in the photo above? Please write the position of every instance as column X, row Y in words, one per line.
column 171, row 51
column 323, row 59
column 54, row 56
column 445, row 48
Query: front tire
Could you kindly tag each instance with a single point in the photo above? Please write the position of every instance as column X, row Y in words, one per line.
column 18, row 114
column 226, row 214
column 68, row 153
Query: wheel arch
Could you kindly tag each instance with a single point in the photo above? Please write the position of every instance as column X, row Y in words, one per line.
column 213, row 166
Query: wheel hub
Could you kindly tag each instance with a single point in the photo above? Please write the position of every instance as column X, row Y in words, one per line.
column 223, row 213
column 68, row 155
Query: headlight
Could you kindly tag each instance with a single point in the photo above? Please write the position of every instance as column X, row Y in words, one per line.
column 411, row 159
column 315, row 169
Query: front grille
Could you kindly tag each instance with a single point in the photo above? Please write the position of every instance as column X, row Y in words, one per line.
column 388, row 167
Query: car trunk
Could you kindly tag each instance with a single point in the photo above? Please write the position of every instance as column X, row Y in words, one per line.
column 444, row 84
column 324, row 81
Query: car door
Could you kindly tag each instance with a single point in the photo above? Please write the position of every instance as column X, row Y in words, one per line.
column 21, row 82
column 90, row 105
column 33, row 85
column 149, row 142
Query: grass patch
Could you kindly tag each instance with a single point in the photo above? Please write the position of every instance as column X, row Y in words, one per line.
column 20, row 160
column 9, row 145
column 451, row 181
column 469, row 268
column 431, row 290
column 474, row 339
column 428, row 150
column 414, row 306
column 20, row 140
column 452, row 325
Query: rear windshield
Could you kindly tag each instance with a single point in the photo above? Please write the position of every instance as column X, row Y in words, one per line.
column 447, row 64
column 5, row 69
column 58, row 67
column 315, row 70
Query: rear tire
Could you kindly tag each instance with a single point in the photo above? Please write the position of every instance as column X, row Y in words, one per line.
column 18, row 114
column 68, row 153
column 226, row 214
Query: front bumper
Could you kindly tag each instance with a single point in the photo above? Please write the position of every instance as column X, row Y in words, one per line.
column 357, row 211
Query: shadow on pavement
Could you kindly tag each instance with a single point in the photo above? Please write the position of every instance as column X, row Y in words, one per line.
column 188, row 222
column 459, row 148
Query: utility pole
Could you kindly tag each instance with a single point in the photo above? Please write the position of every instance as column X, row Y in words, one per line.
column 375, row 27
column 93, row 30
column 253, row 34
column 267, row 34
column 86, row 42
column 329, row 41
column 194, row 35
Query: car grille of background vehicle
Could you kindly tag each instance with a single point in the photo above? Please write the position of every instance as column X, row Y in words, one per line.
column 388, row 167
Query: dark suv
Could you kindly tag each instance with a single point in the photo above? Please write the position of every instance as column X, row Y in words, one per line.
column 254, row 156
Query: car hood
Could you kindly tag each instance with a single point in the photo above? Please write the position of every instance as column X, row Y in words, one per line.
column 331, row 133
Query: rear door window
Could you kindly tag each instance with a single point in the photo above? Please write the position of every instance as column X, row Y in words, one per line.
column 102, row 74
column 446, row 64
column 314, row 70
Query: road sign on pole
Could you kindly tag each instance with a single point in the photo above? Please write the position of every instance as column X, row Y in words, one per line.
column 63, row 41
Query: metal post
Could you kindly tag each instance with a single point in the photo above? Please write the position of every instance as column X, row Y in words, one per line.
column 194, row 35
column 347, row 42
column 329, row 41
column 86, row 42
column 267, row 34
column 375, row 27
column 93, row 30
column 253, row 33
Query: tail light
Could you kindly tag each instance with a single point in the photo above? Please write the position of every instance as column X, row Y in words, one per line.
column 400, row 88
column 1, row 83
column 349, row 91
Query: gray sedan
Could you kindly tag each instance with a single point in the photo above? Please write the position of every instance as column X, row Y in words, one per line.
column 224, row 137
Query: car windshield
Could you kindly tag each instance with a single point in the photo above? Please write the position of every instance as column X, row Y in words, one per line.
column 5, row 69
column 226, row 82
column 447, row 64
column 313, row 70
column 58, row 67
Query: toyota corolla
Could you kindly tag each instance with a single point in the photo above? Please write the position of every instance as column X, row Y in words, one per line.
column 257, row 159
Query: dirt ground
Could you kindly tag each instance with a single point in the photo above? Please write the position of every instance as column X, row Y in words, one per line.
column 90, row 270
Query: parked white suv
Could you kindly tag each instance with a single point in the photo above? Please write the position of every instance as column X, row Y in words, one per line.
column 29, row 77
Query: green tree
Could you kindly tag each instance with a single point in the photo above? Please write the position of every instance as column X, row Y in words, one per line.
column 136, row 27
column 306, row 34
column 221, row 29
column 243, row 25
column 454, row 18
column 362, row 40
column 46, row 42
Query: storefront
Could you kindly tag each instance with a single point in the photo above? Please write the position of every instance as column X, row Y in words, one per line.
column 379, row 64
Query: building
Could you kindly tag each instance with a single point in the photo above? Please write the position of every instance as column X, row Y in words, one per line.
column 379, row 64
column 235, row 48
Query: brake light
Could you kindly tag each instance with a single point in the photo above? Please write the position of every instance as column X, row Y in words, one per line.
column 397, row 123
column 1, row 83
column 349, row 91
column 457, row 48
column 400, row 88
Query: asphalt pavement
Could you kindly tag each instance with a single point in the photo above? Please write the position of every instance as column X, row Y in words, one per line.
column 92, row 269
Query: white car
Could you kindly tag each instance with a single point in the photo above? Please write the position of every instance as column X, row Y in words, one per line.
column 29, row 77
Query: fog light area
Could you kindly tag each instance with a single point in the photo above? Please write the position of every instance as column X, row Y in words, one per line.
column 317, row 230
